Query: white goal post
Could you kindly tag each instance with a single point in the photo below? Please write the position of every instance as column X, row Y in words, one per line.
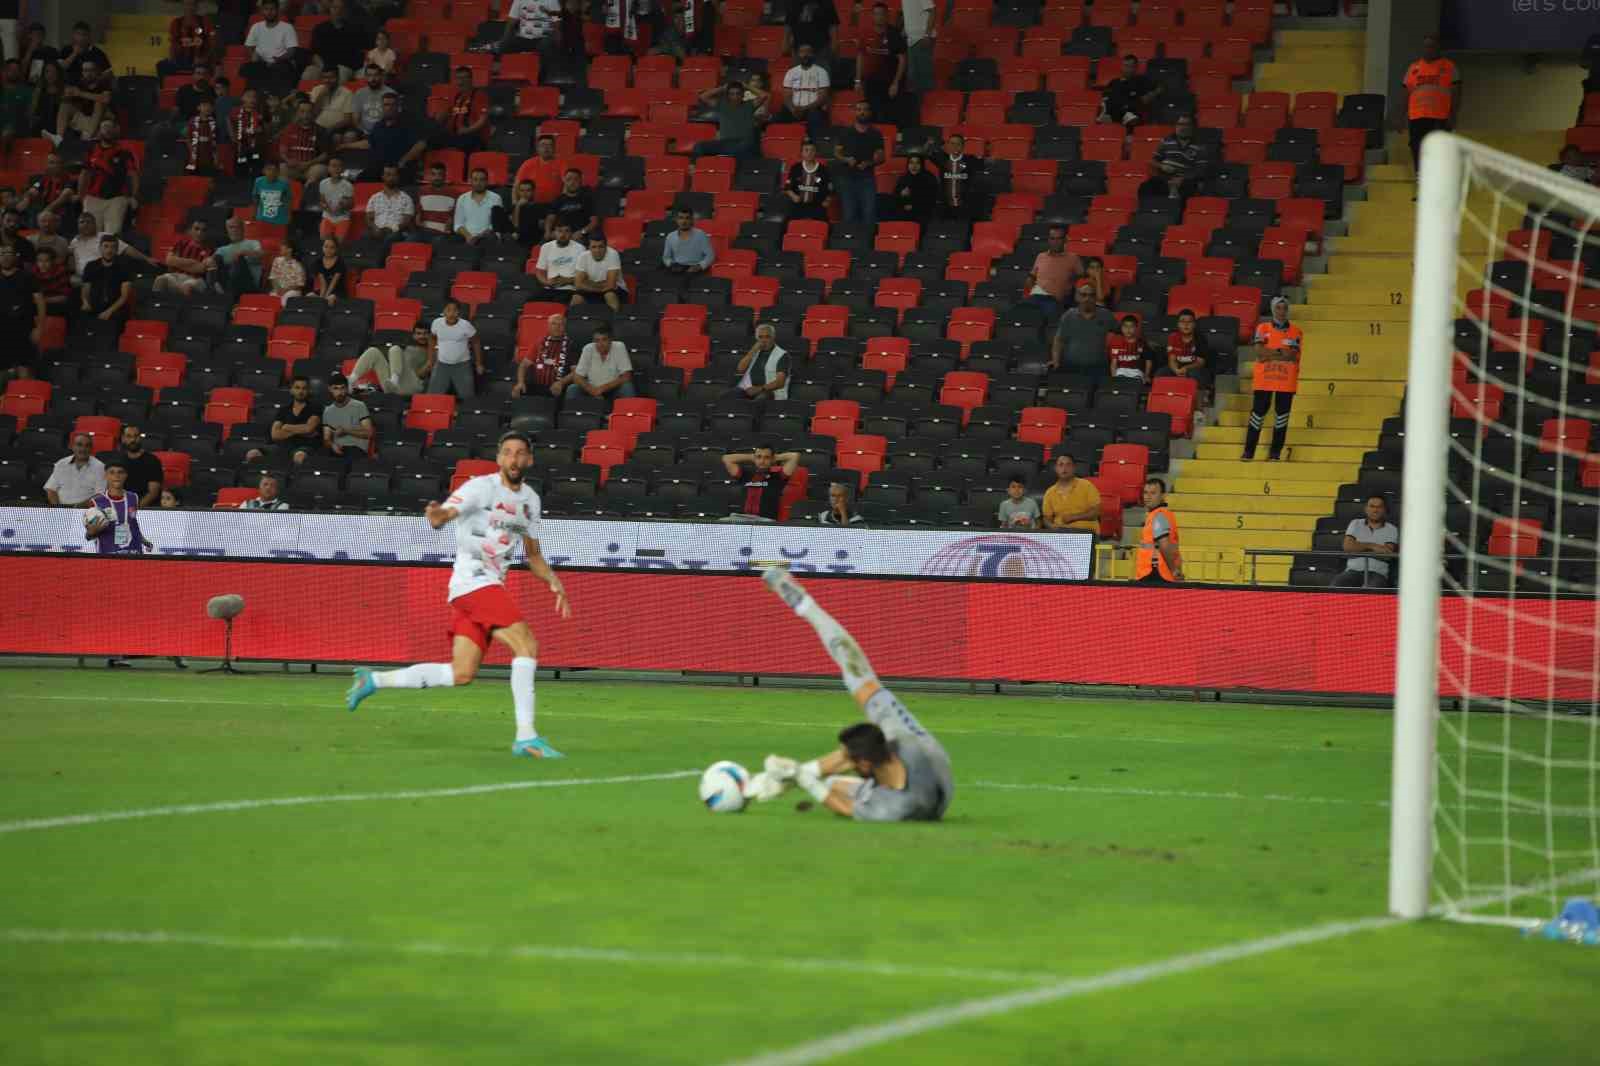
column 1496, row 792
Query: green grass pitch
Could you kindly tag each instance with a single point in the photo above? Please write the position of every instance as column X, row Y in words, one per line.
column 620, row 923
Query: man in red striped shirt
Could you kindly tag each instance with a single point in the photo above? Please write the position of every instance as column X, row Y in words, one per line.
column 466, row 126
column 191, row 39
column 109, row 176
column 187, row 263
column 303, row 148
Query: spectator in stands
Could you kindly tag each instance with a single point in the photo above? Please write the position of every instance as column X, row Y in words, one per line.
column 390, row 211
column 436, row 203
column 575, row 204
column 530, row 26
column 22, row 312
column 187, row 263
column 47, row 96
column 202, row 138
column 1127, row 99
column 1072, row 502
column 525, row 220
column 46, row 238
column 337, row 44
column 1157, row 560
column 296, row 427
column 393, row 142
column 1188, row 354
column 170, row 500
column 145, row 475
column 191, row 41
column 237, row 267
column 916, row 18
column 1372, row 535
column 266, row 498
column 382, row 54
column 672, row 39
column 1433, row 95
column 1018, row 510
column 808, row 186
column 764, row 369
column 841, row 510
column 199, row 88
column 399, row 371
column 34, row 53
column 1094, row 273
column 286, row 278
column 107, row 289
column 303, row 148
column 1180, row 164
column 346, row 423
column 543, row 169
column 368, row 102
column 961, row 192
column 11, row 236
column 1127, row 355
column 76, row 477
column 1573, row 165
column 806, row 85
column 82, row 50
column 455, row 354
column 334, row 107
column 1277, row 349
column 603, row 368
column 764, row 484
column 881, row 66
column 557, row 265
column 1054, row 271
column 116, row 530
column 16, row 105
column 475, row 208
column 736, row 123
column 84, row 102
column 861, row 150
column 273, row 49
column 54, row 190
column 466, row 124
column 757, row 95
column 549, row 363
column 272, row 195
column 687, row 249
column 809, row 27
column 247, row 129
column 1079, row 347
column 108, row 179
column 916, row 192
column 337, row 196
column 598, row 275
column 329, row 272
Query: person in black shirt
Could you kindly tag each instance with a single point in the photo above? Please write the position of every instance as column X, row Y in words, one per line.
column 144, row 469
column 960, row 180
column 811, row 22
column 107, row 285
column 1127, row 99
column 338, row 42
column 574, row 206
column 764, row 484
column 297, row 427
column 21, row 310
column 916, row 193
column 189, row 96
column 860, row 149
column 11, row 236
column 83, row 49
column 809, row 186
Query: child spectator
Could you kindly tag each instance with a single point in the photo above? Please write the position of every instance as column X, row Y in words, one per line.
column 200, row 139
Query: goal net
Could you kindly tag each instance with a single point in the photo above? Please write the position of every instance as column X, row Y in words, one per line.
column 1497, row 741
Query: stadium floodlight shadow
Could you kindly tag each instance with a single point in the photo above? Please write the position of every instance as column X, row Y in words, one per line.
column 226, row 608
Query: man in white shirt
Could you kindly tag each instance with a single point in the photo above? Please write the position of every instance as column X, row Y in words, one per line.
column 530, row 26
column 85, row 247
column 454, row 353
column 474, row 219
column 603, row 369
column 77, row 477
column 557, row 265
column 805, row 92
column 272, row 42
column 390, row 210
column 1368, row 540
column 764, row 370
column 599, row 276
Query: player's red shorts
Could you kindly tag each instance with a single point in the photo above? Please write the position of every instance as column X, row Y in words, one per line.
column 482, row 611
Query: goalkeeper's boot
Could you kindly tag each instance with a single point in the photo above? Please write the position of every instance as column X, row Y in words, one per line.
column 537, row 748
column 778, row 580
column 360, row 688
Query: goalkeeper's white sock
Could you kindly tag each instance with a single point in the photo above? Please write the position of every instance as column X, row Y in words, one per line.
column 422, row 675
column 522, row 669
column 841, row 646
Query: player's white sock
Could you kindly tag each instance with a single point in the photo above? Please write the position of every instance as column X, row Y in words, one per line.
column 422, row 675
column 841, row 646
column 522, row 669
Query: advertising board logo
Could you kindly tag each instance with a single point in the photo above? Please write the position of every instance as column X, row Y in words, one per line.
column 1001, row 555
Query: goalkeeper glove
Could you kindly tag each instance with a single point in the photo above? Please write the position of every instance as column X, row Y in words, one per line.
column 763, row 787
column 809, row 777
column 781, row 767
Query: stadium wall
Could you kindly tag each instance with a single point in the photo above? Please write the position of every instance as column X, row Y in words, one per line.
column 951, row 628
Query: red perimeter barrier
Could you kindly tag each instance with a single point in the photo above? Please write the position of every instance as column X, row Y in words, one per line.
column 969, row 630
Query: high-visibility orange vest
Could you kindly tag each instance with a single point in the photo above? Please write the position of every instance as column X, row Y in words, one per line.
column 1147, row 555
column 1431, row 86
column 1278, row 375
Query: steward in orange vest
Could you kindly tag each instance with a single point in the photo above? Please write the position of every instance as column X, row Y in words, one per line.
column 1157, row 561
column 1277, row 375
column 1433, row 94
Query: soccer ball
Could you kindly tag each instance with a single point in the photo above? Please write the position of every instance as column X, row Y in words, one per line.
column 722, row 787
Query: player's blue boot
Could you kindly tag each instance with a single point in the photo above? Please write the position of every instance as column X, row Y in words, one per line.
column 537, row 748
column 362, row 687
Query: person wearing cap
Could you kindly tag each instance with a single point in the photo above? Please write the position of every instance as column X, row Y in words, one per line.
column 1277, row 349
column 1078, row 350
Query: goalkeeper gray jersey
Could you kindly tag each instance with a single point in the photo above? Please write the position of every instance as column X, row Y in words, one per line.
column 929, row 784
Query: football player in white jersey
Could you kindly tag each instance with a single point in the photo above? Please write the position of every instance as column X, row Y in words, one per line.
column 491, row 514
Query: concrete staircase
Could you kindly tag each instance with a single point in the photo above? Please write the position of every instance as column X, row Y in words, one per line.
column 136, row 43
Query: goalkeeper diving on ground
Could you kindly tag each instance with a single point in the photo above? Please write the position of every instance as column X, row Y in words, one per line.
column 904, row 773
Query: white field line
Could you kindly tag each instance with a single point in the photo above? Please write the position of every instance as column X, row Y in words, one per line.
column 691, row 959
column 787, row 723
column 862, row 1037
column 97, row 817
